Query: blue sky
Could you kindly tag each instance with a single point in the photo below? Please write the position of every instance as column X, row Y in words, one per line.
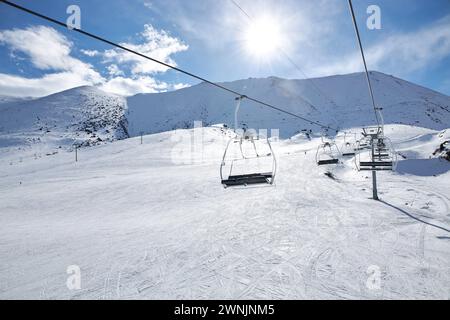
column 210, row 38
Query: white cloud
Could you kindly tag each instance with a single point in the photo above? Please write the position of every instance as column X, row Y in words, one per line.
column 179, row 86
column 157, row 44
column 148, row 5
column 90, row 53
column 141, row 84
column 321, row 36
column 114, row 70
column 400, row 53
column 222, row 25
column 414, row 50
column 16, row 86
column 127, row 86
column 49, row 50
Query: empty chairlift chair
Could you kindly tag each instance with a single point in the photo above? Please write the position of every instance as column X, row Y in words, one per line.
column 380, row 157
column 363, row 144
column 349, row 147
column 248, row 159
column 327, row 153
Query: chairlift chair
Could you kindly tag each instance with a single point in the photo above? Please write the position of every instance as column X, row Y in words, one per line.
column 381, row 157
column 365, row 142
column 327, row 153
column 248, row 159
column 348, row 149
column 362, row 144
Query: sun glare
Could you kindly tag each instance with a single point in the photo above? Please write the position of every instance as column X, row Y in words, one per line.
column 263, row 38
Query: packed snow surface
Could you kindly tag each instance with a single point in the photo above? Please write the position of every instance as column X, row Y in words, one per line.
column 152, row 221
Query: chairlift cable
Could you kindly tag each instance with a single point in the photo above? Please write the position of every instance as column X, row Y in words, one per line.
column 111, row 43
column 240, row 8
column 369, row 83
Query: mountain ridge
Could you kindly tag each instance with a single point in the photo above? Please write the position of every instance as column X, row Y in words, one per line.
column 85, row 115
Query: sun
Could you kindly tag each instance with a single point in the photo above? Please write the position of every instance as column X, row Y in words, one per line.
column 263, row 38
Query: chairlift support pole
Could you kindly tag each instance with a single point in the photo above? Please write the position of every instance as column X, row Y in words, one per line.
column 376, row 109
column 374, row 173
column 374, row 186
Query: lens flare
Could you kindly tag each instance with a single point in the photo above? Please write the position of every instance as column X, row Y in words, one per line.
column 263, row 37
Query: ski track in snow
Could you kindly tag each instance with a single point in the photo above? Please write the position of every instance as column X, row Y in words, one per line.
column 142, row 227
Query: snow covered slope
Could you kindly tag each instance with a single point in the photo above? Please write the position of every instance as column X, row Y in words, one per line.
column 338, row 101
column 81, row 116
column 153, row 221
column 86, row 115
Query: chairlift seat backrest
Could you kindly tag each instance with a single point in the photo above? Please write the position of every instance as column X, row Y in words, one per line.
column 327, row 153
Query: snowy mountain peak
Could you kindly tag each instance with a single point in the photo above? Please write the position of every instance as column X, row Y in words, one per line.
column 340, row 101
column 87, row 116
column 79, row 116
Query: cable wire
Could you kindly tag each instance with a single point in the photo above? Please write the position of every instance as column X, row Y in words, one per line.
column 111, row 43
column 369, row 83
